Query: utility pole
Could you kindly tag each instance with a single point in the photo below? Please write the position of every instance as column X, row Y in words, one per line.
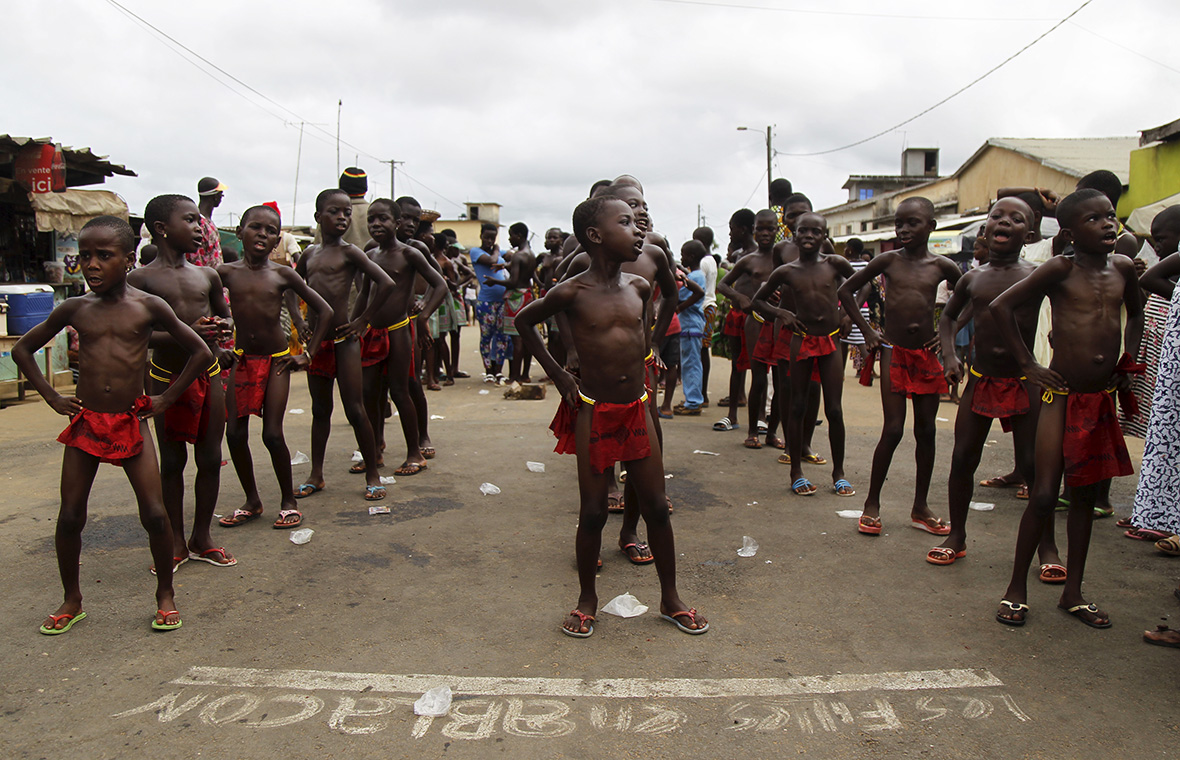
column 698, row 215
column 392, row 179
column 339, row 108
column 298, row 160
column 769, row 158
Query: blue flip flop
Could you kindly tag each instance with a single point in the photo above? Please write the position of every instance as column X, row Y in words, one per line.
column 803, row 483
column 842, row 483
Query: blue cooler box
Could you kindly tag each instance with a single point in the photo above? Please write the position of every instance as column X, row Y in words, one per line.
column 26, row 309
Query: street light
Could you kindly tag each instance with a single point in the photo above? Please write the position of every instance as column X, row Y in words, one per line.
column 769, row 157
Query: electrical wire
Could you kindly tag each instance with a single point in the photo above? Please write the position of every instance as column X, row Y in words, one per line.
column 954, row 94
column 810, row 12
column 1133, row 51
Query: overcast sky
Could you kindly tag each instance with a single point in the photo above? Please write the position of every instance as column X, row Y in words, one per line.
column 528, row 103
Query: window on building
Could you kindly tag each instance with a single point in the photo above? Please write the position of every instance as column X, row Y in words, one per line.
column 866, row 193
column 864, row 226
column 473, row 213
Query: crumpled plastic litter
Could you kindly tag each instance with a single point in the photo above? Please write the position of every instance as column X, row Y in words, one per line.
column 294, row 411
column 849, row 513
column 982, row 506
column 707, row 453
column 300, row 458
column 435, row 703
column 301, row 536
column 357, row 456
column 388, row 480
column 625, row 605
column 484, row 392
column 489, row 489
column 749, row 547
column 535, row 466
column 437, row 417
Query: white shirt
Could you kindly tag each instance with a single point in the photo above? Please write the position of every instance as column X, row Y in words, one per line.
column 709, row 268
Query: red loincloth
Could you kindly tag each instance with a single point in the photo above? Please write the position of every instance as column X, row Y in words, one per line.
column 816, row 345
column 618, row 432
column 323, row 364
column 915, row 372
column 764, row 348
column 112, row 437
column 251, row 375
column 1127, row 401
column 1092, row 443
column 999, row 398
column 866, row 371
column 735, row 323
column 187, row 419
column 374, row 346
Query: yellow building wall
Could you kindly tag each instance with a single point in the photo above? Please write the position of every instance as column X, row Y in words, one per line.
column 998, row 168
column 1154, row 175
column 466, row 230
column 938, row 193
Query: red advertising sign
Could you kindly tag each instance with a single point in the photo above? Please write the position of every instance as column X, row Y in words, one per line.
column 41, row 168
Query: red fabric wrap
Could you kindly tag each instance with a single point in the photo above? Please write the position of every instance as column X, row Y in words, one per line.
column 915, row 372
column 112, row 437
column 1093, row 444
column 999, row 397
column 512, row 308
column 1127, row 401
column 323, row 364
column 251, row 374
column 735, row 323
column 866, row 372
column 374, row 346
column 816, row 345
column 618, row 433
column 187, row 419
column 765, row 347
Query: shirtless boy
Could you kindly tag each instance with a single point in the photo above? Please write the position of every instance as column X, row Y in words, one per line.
column 1077, row 429
column 330, row 268
column 108, row 416
column 603, row 416
column 740, row 285
column 813, row 279
column 410, row 230
column 402, row 263
column 547, row 278
column 198, row 416
column 909, row 364
column 260, row 381
column 995, row 388
column 733, row 329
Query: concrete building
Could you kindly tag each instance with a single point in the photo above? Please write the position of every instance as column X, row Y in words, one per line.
column 468, row 225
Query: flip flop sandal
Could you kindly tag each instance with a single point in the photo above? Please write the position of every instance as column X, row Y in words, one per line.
column 752, row 442
column 1146, row 534
column 638, row 548
column 358, row 469
column 1052, row 573
column 763, row 428
column 1015, row 608
column 814, row 458
column 617, row 506
column 1169, row 545
column 371, row 493
column 176, row 562
column 1124, row 522
column 784, row 458
column 240, row 517
column 691, row 614
column 843, row 488
column 937, row 529
column 428, row 452
column 1022, row 493
column 1156, row 637
column 724, row 425
column 941, row 555
column 1062, row 504
column 583, row 618
column 163, row 615
column 1101, row 514
column 282, row 524
column 663, row 416
column 808, row 488
column 776, row 442
column 70, row 620
column 1079, row 609
column 1000, row 481
column 302, row 491
column 206, row 556
column 870, row 526
column 411, row 468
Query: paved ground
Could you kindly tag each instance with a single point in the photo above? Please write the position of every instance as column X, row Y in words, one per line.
column 825, row 644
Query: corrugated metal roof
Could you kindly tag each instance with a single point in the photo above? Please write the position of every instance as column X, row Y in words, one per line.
column 79, row 158
column 1074, row 156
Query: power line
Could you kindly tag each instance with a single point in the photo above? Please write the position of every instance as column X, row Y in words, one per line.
column 954, row 94
column 1124, row 47
column 809, row 12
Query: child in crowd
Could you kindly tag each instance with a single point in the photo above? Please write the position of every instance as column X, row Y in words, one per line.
column 909, row 364
column 1077, row 428
column 260, row 381
column 708, row 266
column 692, row 327
column 108, row 416
column 330, row 268
column 740, row 285
column 198, row 416
column 995, row 388
column 741, row 244
column 403, row 263
column 813, row 279
column 519, row 282
column 603, row 416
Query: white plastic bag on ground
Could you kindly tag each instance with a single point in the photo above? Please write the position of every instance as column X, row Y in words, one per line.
column 982, row 506
column 625, row 605
column 301, row 536
column 749, row 547
column 706, row 453
column 535, row 466
column 294, row 411
column 489, row 489
column 357, row 456
column 849, row 513
column 435, row 703
column 388, row 480
column 299, row 458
